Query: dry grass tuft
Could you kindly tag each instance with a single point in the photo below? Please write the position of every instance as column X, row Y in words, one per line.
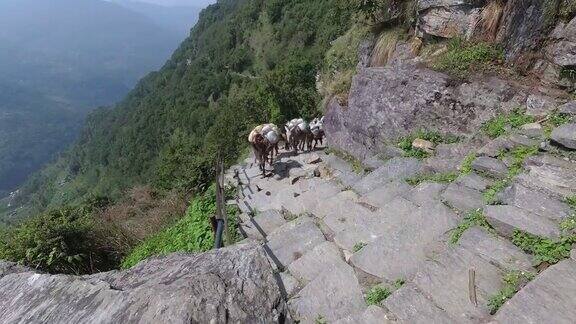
column 490, row 19
column 384, row 48
column 142, row 214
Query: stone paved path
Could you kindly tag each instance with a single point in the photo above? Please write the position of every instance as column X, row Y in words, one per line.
column 333, row 235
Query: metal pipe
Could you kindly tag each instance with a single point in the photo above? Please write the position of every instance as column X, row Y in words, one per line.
column 219, row 231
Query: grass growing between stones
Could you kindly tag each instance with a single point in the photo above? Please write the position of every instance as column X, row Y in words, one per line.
column 544, row 249
column 436, row 177
column 518, row 156
column 358, row 246
column 512, row 281
column 473, row 218
column 377, row 294
column 500, row 124
column 355, row 163
column 466, row 167
column 435, row 137
column 554, row 120
column 464, row 58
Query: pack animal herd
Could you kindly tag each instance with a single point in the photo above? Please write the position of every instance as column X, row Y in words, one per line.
column 297, row 135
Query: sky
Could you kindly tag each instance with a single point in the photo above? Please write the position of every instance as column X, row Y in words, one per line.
column 195, row 3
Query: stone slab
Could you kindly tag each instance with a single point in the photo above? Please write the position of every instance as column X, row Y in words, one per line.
column 490, row 166
column 444, row 279
column 372, row 315
column 505, row 219
column 381, row 196
column 324, row 257
column 495, row 250
column 409, row 305
column 293, row 240
column 463, row 198
column 425, row 193
column 474, row 181
column 394, row 169
column 398, row 252
column 333, row 295
column 535, row 201
column 262, row 224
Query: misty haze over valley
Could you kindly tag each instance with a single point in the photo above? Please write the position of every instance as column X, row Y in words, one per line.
column 61, row 59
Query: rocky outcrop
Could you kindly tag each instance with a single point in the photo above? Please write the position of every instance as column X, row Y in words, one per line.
column 448, row 18
column 234, row 285
column 386, row 103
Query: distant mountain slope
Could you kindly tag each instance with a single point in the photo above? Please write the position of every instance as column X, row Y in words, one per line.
column 246, row 61
column 178, row 19
column 59, row 59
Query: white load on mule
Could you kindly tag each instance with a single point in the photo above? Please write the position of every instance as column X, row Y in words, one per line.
column 297, row 134
column 317, row 130
column 264, row 140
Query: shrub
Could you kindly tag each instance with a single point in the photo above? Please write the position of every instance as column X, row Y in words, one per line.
column 59, row 241
column 463, row 58
column 192, row 233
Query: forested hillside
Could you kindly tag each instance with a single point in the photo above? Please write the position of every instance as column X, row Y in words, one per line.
column 246, row 62
column 59, row 60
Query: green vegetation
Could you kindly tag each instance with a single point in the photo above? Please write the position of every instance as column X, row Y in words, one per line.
column 192, row 233
column 571, row 201
column 377, row 294
column 463, row 58
column 498, row 125
column 568, row 224
column 320, row 320
column 518, row 156
column 340, row 63
column 466, row 167
column 354, row 162
column 59, row 241
column 359, row 246
column 544, row 249
column 436, row 177
column 554, row 120
column 568, row 73
column 512, row 282
column 435, row 137
column 255, row 59
column 473, row 218
column 398, row 283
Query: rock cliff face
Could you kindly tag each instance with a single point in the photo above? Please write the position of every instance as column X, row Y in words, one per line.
column 388, row 102
column 228, row 285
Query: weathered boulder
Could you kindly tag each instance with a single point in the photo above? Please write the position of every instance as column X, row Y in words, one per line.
column 229, row 285
column 386, row 103
column 568, row 108
column 562, row 48
column 524, row 25
column 448, row 18
column 540, row 105
column 565, row 135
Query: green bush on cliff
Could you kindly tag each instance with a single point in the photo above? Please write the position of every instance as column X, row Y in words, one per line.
column 59, row 241
column 464, row 58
